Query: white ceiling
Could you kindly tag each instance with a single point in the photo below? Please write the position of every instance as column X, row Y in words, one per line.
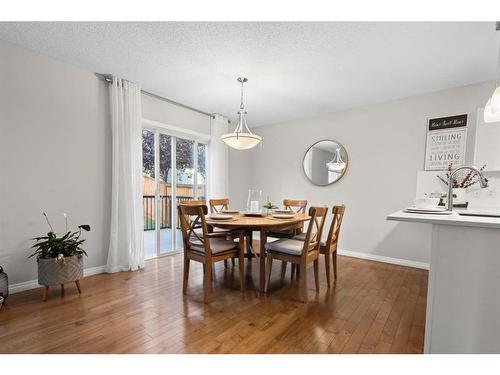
column 295, row 69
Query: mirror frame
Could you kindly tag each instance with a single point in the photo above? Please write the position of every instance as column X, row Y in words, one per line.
column 346, row 162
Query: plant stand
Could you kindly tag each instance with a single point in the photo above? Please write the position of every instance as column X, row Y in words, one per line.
column 46, row 290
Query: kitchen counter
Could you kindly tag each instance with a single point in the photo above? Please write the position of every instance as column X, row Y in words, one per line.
column 463, row 296
column 456, row 218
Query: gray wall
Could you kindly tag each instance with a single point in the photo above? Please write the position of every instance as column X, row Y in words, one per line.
column 385, row 143
column 55, row 153
column 55, row 156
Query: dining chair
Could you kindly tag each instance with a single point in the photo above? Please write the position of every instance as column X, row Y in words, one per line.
column 207, row 248
column 296, row 206
column 299, row 252
column 217, row 205
column 329, row 247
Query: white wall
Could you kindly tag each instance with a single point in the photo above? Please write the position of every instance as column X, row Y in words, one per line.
column 55, row 156
column 385, row 144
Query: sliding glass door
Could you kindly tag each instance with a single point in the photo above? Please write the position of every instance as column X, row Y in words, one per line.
column 174, row 170
column 165, row 193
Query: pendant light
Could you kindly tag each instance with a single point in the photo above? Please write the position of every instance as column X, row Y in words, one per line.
column 242, row 138
column 492, row 108
column 336, row 165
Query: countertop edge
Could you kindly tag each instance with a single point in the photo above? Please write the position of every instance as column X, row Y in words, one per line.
column 457, row 220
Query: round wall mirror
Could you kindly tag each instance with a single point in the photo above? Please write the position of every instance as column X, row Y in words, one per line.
column 325, row 162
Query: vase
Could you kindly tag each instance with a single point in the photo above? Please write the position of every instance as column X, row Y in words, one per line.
column 254, row 201
column 459, row 196
column 52, row 271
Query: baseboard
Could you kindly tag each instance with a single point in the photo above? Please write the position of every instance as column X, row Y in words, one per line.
column 32, row 284
column 383, row 259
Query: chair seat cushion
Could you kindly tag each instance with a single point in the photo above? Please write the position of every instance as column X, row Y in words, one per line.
column 302, row 237
column 287, row 246
column 217, row 245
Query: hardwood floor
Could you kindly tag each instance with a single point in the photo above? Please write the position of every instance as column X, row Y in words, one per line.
column 371, row 308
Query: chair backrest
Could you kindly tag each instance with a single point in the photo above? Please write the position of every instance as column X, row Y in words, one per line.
column 193, row 202
column 193, row 217
column 297, row 206
column 216, row 205
column 334, row 231
column 315, row 229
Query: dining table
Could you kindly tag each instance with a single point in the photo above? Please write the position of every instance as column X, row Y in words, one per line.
column 255, row 223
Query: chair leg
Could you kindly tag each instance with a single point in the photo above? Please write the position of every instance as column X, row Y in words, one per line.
column 207, row 282
column 77, row 282
column 45, row 293
column 232, row 262
column 62, row 289
column 283, row 269
column 269, row 269
column 334, row 258
column 293, row 272
column 225, row 263
column 316, row 274
column 327, row 268
column 303, row 283
column 186, row 275
column 297, row 272
column 241, row 262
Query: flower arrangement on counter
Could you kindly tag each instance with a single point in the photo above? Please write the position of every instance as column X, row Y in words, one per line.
column 461, row 182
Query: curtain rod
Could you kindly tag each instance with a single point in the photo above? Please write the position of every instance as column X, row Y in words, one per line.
column 108, row 78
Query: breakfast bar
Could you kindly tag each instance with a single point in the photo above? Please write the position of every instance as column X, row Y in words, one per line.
column 463, row 299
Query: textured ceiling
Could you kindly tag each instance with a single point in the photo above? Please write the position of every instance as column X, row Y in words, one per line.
column 295, row 69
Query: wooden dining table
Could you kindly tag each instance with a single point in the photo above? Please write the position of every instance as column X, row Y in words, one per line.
column 261, row 224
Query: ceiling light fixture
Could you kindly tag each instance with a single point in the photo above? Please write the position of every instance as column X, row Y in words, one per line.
column 492, row 108
column 242, row 138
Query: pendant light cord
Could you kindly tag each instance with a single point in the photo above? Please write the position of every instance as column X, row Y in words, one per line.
column 242, row 106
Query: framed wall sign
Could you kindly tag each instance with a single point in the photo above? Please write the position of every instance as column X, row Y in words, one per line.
column 446, row 142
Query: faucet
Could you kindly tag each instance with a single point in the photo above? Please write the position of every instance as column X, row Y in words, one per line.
column 483, row 181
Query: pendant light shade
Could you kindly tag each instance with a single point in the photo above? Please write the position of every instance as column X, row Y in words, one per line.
column 489, row 114
column 241, row 141
column 492, row 107
column 242, row 138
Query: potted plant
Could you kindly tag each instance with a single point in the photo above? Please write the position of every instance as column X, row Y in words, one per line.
column 269, row 206
column 460, row 184
column 59, row 258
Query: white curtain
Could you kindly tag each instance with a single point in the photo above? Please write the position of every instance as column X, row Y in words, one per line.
column 219, row 162
column 126, row 252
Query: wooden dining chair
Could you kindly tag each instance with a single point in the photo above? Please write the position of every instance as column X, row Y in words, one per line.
column 217, row 205
column 295, row 206
column 208, row 248
column 329, row 247
column 298, row 252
